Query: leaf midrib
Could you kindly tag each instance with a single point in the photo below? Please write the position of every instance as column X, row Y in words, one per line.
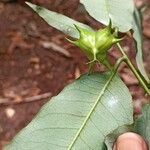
column 92, row 110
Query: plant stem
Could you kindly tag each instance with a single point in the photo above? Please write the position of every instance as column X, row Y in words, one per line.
column 130, row 65
column 117, row 64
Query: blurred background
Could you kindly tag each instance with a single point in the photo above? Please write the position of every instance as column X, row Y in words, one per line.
column 36, row 61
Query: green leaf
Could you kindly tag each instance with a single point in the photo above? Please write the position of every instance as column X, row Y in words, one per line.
column 80, row 117
column 119, row 11
column 139, row 43
column 59, row 21
column 142, row 124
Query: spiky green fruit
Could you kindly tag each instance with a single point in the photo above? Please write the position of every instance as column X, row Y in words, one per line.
column 96, row 44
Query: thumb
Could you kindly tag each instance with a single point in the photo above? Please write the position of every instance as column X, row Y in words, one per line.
column 130, row 141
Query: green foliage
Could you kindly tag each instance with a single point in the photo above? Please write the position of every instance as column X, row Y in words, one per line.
column 80, row 117
column 91, row 112
column 119, row 11
column 139, row 43
column 58, row 21
column 142, row 124
column 124, row 16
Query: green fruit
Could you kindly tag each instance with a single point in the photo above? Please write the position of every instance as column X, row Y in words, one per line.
column 96, row 44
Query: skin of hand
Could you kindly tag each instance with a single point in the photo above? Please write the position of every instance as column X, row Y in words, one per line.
column 130, row 141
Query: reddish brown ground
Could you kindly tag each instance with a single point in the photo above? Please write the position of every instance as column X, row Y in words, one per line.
column 30, row 72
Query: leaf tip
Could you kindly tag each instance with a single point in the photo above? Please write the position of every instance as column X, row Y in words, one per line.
column 29, row 4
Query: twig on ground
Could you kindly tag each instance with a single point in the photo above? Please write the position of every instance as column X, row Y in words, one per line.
column 7, row 101
column 55, row 47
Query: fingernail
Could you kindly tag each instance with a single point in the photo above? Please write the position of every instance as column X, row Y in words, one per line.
column 130, row 141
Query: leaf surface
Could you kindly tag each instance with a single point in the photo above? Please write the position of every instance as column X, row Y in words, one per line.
column 142, row 124
column 59, row 21
column 80, row 117
column 139, row 43
column 119, row 11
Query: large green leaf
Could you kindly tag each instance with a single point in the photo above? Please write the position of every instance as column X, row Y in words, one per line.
column 142, row 124
column 139, row 43
column 119, row 11
column 58, row 21
column 80, row 117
